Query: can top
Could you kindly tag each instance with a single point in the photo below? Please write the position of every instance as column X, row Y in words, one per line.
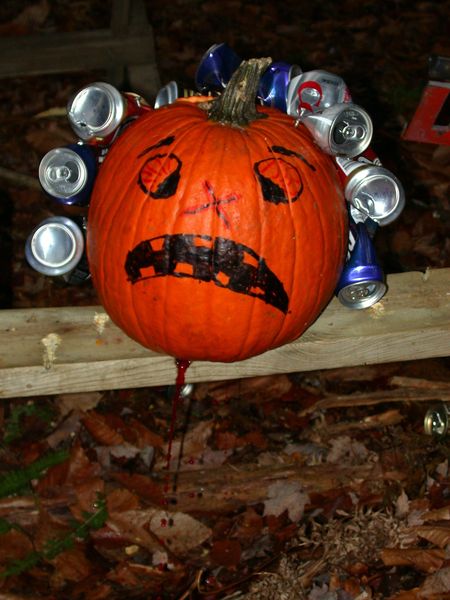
column 376, row 192
column 55, row 246
column 96, row 110
column 62, row 173
column 352, row 130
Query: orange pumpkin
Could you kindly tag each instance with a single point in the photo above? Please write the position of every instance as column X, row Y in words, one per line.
column 212, row 241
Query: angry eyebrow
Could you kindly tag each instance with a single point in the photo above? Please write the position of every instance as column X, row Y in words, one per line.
column 165, row 142
column 286, row 152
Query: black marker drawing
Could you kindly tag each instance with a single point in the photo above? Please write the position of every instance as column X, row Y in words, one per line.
column 221, row 261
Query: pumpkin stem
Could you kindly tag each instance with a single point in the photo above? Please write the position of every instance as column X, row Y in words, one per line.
column 236, row 106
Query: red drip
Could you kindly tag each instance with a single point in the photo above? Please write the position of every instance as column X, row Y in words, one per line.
column 182, row 366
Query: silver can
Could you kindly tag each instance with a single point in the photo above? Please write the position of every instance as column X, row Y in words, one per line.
column 343, row 129
column 436, row 420
column 167, row 94
column 96, row 111
column 314, row 91
column 55, row 246
column 67, row 174
column 372, row 190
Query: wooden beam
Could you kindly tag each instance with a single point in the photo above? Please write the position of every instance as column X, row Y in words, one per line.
column 411, row 322
column 74, row 51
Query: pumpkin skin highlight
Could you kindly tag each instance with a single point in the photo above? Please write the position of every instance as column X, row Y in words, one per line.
column 211, row 242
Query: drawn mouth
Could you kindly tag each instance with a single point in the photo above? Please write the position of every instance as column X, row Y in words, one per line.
column 221, row 261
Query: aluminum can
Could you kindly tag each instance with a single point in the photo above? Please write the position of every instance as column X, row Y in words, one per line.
column 342, row 129
column 362, row 280
column 436, row 420
column 96, row 111
column 273, row 86
column 372, row 189
column 67, row 174
column 216, row 67
column 55, row 246
column 314, row 91
column 171, row 92
column 167, row 94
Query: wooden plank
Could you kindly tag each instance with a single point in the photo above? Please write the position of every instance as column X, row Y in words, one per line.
column 74, row 51
column 411, row 322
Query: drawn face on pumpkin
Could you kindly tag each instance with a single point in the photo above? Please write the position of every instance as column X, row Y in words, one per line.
column 222, row 261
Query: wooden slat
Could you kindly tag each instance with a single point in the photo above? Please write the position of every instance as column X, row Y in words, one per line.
column 75, row 51
column 411, row 322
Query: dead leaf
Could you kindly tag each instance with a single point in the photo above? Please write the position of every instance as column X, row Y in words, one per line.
column 66, row 403
column 178, row 531
column 226, row 553
column 439, row 535
column 288, row 496
column 346, row 450
column 425, row 560
column 71, row 565
column 101, row 431
column 438, row 583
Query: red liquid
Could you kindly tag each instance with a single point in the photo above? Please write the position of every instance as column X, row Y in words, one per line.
column 182, row 366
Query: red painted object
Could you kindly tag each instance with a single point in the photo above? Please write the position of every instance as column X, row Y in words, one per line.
column 215, row 242
column 426, row 126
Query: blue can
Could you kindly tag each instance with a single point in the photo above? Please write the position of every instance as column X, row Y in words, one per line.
column 274, row 84
column 67, row 174
column 362, row 280
column 216, row 68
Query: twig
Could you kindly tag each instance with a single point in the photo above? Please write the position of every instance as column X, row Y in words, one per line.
column 19, row 179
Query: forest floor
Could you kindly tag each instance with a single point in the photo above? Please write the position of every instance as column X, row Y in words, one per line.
column 315, row 486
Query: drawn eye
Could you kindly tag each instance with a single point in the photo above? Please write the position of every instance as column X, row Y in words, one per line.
column 280, row 180
column 159, row 176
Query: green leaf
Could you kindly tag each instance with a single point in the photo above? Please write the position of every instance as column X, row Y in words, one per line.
column 14, row 481
column 54, row 547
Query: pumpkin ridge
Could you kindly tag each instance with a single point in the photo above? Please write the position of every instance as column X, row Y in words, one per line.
column 286, row 324
column 294, row 274
column 200, row 140
column 180, row 133
column 258, row 140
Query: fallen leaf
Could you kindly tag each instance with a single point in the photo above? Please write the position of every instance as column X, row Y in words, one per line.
column 226, row 553
column 439, row 535
column 101, row 431
column 425, row 560
column 66, row 403
column 286, row 496
column 179, row 531
column 438, row 583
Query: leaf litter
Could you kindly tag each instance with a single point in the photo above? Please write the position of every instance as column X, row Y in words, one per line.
column 280, row 486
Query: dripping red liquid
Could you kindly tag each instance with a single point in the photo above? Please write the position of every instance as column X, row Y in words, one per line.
column 182, row 366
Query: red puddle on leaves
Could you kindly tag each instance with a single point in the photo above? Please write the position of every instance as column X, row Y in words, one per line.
column 182, row 366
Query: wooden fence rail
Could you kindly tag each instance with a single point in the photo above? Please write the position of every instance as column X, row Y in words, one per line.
column 72, row 349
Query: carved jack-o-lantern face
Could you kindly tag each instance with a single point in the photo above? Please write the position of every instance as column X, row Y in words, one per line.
column 212, row 242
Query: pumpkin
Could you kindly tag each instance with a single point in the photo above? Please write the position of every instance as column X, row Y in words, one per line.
column 217, row 229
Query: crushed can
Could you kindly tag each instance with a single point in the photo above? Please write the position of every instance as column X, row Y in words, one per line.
column 216, row 67
column 362, row 280
column 372, row 189
column 274, row 83
column 97, row 111
column 343, row 129
column 315, row 91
